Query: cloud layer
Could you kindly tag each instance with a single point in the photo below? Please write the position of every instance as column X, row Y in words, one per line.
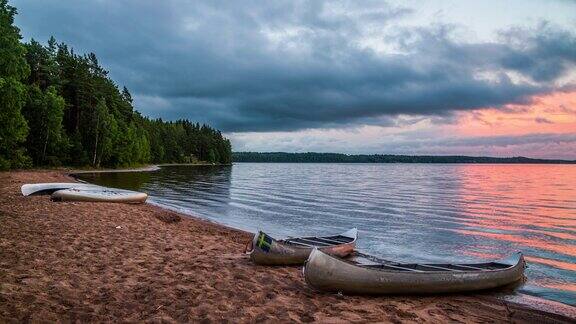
column 256, row 66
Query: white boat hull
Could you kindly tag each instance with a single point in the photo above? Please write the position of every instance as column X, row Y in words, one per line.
column 31, row 189
column 100, row 195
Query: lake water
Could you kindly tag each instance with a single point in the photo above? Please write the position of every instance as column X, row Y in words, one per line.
column 405, row 212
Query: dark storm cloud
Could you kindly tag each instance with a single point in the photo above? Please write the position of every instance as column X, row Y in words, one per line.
column 546, row 53
column 268, row 66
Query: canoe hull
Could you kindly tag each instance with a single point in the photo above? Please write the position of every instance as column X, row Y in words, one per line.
column 104, row 195
column 280, row 253
column 32, row 189
column 327, row 273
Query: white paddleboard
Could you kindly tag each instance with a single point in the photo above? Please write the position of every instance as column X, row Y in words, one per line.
column 100, row 195
column 48, row 188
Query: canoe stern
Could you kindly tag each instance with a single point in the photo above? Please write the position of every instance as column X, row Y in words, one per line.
column 266, row 250
column 269, row 251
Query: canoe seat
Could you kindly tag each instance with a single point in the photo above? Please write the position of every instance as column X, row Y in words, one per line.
column 310, row 242
column 391, row 267
column 339, row 238
column 415, row 267
column 362, row 259
column 486, row 266
column 319, row 241
column 325, row 240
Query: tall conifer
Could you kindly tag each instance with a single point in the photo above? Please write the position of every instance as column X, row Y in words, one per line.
column 13, row 70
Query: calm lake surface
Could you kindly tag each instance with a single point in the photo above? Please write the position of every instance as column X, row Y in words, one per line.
column 405, row 212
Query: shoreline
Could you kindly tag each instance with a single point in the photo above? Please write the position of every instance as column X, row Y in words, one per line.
column 165, row 265
column 516, row 300
column 145, row 168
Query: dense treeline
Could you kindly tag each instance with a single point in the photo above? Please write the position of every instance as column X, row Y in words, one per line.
column 61, row 108
column 281, row 157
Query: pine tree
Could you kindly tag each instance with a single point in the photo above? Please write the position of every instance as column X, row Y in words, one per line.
column 13, row 70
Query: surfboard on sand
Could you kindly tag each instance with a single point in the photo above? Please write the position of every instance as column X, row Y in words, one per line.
column 31, row 189
column 100, row 194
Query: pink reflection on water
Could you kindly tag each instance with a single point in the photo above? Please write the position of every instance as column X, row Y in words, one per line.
column 526, row 242
column 567, row 286
column 531, row 208
column 549, row 262
column 530, row 205
column 553, row 263
column 481, row 255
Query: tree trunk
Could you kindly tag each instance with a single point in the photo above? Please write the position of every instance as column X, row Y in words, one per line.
column 96, row 144
column 45, row 145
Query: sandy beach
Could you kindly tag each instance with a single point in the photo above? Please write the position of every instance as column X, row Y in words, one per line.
column 116, row 262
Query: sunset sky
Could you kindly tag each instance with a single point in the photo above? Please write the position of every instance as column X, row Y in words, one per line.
column 491, row 78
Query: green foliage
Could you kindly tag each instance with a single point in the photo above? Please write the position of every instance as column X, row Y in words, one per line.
column 44, row 110
column 12, row 61
column 13, row 70
column 185, row 142
column 61, row 108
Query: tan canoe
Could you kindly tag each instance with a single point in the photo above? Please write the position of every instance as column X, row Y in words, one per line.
column 100, row 195
column 266, row 250
column 329, row 273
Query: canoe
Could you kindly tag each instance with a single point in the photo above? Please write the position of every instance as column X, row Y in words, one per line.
column 329, row 273
column 99, row 195
column 31, row 189
column 263, row 249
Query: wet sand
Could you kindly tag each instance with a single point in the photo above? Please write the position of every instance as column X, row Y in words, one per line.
column 116, row 262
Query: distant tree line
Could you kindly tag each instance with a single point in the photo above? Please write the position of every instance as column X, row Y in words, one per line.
column 61, row 108
column 282, row 157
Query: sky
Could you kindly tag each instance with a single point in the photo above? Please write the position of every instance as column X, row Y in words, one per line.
column 490, row 77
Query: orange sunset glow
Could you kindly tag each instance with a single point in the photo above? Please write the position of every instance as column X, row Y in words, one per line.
column 554, row 113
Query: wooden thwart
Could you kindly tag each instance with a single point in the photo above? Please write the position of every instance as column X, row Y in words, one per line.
column 469, row 267
column 309, row 241
column 301, row 244
column 440, row 267
column 326, row 240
